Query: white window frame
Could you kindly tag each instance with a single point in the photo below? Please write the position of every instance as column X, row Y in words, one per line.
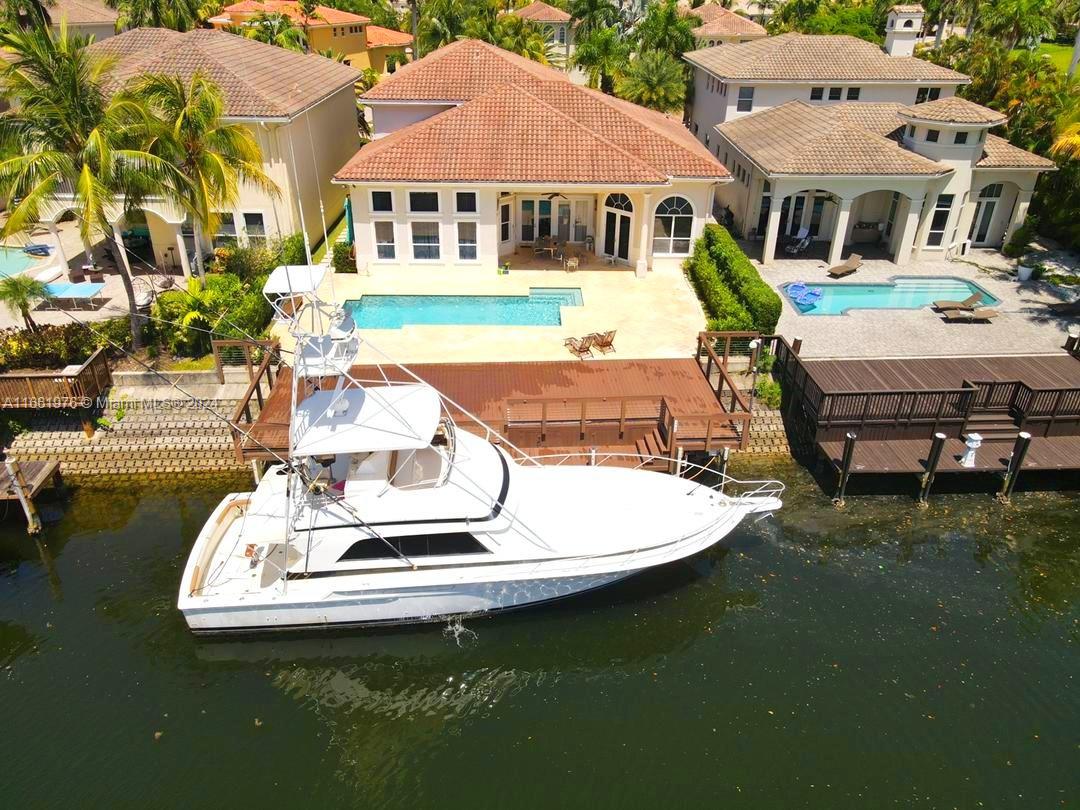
column 260, row 239
column 749, row 100
column 475, row 243
column 412, row 240
column 438, row 202
column 371, row 201
column 476, row 203
column 375, row 239
column 931, row 230
column 671, row 239
column 508, row 202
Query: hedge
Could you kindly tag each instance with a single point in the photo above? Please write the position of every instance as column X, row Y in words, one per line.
column 56, row 346
column 725, row 312
column 742, row 278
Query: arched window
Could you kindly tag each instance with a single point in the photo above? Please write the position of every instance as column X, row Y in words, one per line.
column 620, row 202
column 907, row 23
column 674, row 221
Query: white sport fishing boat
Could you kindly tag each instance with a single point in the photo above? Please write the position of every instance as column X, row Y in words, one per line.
column 387, row 511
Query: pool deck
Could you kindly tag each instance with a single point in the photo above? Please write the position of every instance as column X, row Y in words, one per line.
column 654, row 317
column 1025, row 325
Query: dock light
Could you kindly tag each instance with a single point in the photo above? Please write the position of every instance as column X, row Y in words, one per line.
column 973, row 443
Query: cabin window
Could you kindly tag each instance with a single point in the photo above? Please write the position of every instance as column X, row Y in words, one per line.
column 466, row 202
column 673, row 224
column 414, row 545
column 384, row 240
column 426, row 202
column 425, row 240
column 466, row 240
column 853, row 93
column 834, row 93
column 817, row 93
column 746, row 99
column 382, row 201
column 960, row 138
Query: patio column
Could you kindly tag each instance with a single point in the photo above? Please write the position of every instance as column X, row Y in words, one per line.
column 121, row 251
column 772, row 227
column 1023, row 200
column 54, row 231
column 643, row 238
column 185, row 264
column 910, row 228
column 836, row 246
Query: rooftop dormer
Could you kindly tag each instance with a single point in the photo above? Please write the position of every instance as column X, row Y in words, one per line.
column 903, row 27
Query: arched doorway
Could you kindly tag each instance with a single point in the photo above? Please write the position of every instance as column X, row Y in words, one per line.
column 618, row 211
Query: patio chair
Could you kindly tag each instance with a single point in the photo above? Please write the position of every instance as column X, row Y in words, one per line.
column 853, row 263
column 966, row 305
column 800, row 246
column 544, row 245
column 798, row 237
column 582, row 347
column 604, row 341
column 970, row 315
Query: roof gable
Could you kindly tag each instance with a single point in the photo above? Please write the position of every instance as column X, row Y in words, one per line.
column 324, row 15
column 717, row 21
column 542, row 12
column 81, row 12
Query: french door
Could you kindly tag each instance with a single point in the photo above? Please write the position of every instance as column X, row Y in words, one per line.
column 617, row 235
column 980, row 223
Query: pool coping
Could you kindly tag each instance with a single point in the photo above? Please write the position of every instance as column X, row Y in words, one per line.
column 578, row 290
column 890, row 282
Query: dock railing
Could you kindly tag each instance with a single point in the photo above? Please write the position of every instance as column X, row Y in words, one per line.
column 714, row 355
column 78, row 388
column 246, row 353
column 242, row 417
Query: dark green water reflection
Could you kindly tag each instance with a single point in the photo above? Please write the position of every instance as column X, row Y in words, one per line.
column 883, row 656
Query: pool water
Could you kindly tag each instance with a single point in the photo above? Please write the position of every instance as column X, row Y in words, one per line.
column 541, row 307
column 13, row 261
column 904, row 292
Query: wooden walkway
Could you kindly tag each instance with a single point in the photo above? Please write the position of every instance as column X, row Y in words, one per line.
column 37, row 474
column 486, row 389
column 911, row 456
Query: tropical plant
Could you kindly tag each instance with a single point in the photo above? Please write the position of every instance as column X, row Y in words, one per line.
column 276, row 29
column 309, row 10
column 592, row 15
column 442, row 22
column 179, row 15
column 221, row 306
column 665, row 28
column 73, row 139
column 380, row 12
column 20, row 293
column 1067, row 136
column 26, row 13
column 331, row 54
column 603, row 55
column 654, row 79
column 1018, row 21
column 865, row 20
column 213, row 156
column 523, row 37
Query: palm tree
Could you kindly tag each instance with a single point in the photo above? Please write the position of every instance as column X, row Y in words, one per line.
column 1017, row 21
column 591, row 15
column 523, row 37
column 179, row 15
column 331, row 54
column 26, row 13
column 70, row 138
column 442, row 22
column 214, row 157
column 276, row 29
column 603, row 55
column 654, row 79
column 664, row 28
column 1067, row 136
column 19, row 294
column 310, row 11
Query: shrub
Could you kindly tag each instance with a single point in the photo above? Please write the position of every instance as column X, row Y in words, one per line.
column 1021, row 239
column 223, row 307
column 768, row 393
column 743, row 279
column 56, row 346
column 725, row 312
column 342, row 258
column 291, row 250
column 245, row 262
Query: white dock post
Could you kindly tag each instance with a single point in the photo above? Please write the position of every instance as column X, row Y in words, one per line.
column 18, row 483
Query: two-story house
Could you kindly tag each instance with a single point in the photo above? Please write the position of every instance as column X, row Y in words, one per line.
column 557, row 24
column 721, row 26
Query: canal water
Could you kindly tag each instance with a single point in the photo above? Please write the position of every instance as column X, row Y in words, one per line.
column 879, row 656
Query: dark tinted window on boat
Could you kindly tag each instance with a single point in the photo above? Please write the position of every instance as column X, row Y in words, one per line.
column 414, row 545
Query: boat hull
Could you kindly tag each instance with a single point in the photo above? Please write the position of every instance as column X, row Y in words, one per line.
column 396, row 606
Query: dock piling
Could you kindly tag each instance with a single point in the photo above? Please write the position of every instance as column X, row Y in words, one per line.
column 1016, row 463
column 845, row 468
column 932, row 462
column 22, row 491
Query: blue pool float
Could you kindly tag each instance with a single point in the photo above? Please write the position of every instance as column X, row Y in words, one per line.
column 37, row 250
column 810, row 297
column 795, row 289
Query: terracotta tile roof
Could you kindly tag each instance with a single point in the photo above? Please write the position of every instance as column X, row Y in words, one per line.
column 81, row 12
column 324, row 15
column 379, row 37
column 811, row 57
column 717, row 21
column 998, row 153
column 258, row 80
column 542, row 12
column 460, row 71
column 881, row 118
column 955, row 110
column 533, row 126
column 796, row 138
column 909, row 9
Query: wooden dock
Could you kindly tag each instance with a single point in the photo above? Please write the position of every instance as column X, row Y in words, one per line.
column 23, row 482
column 647, row 406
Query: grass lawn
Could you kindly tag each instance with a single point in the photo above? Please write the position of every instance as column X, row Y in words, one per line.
column 317, row 256
column 1060, row 55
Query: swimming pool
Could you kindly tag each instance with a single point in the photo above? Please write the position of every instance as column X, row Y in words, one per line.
column 13, row 261
column 903, row 292
column 541, row 307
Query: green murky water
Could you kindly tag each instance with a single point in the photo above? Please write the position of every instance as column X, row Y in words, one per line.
column 883, row 656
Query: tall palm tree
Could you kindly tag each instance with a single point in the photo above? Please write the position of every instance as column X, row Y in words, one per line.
column 19, row 294
column 71, row 138
column 603, row 55
column 591, row 15
column 664, row 28
column 214, row 157
column 276, row 29
column 1067, row 136
column 441, row 22
column 179, row 15
column 654, row 79
column 1017, row 21
column 523, row 37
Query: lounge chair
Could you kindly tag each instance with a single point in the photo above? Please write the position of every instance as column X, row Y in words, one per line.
column 802, row 234
column 970, row 315
column 1065, row 307
column 799, row 247
column 853, row 263
column 604, row 341
column 582, row 347
column 967, row 304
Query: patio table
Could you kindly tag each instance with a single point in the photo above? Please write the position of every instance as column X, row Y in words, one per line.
column 80, row 291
